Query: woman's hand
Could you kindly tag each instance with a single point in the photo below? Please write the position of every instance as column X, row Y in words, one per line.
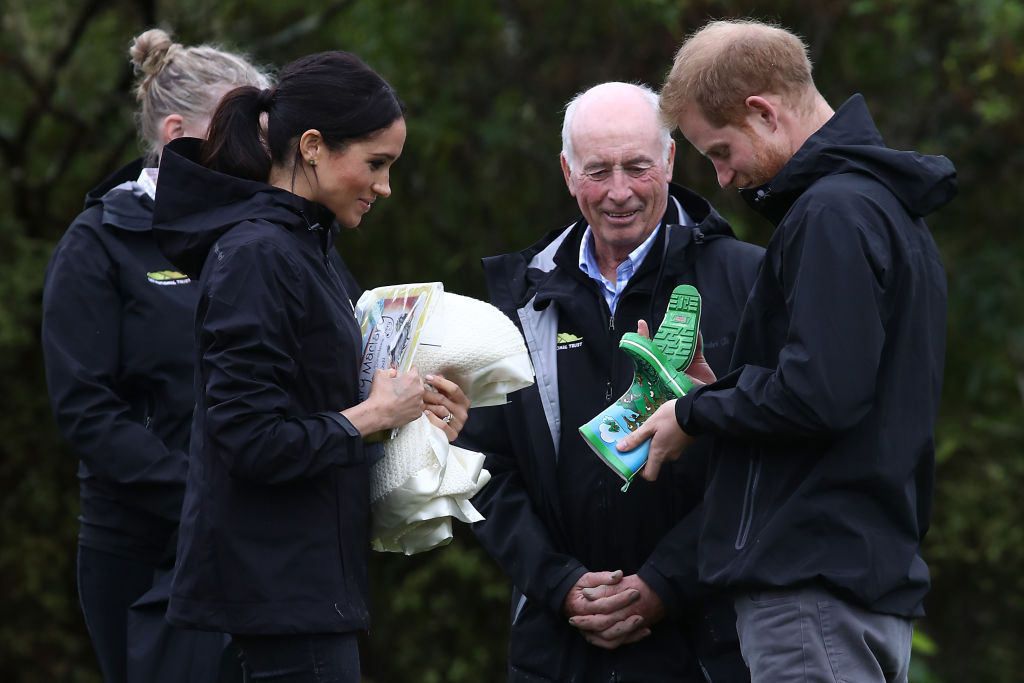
column 447, row 407
column 394, row 400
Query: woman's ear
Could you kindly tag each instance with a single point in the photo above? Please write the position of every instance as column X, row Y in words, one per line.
column 310, row 145
column 172, row 128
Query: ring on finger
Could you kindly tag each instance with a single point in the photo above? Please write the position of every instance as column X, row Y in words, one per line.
column 447, row 418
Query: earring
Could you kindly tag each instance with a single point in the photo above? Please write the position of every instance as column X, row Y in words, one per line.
column 312, row 162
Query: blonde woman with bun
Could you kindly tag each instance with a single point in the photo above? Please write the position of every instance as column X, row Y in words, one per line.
column 117, row 339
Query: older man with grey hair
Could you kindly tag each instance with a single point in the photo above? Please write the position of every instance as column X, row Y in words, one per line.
column 604, row 580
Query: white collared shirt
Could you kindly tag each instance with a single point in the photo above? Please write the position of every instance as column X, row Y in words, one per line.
column 147, row 181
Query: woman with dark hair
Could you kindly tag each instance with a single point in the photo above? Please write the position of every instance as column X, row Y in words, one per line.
column 274, row 534
column 118, row 354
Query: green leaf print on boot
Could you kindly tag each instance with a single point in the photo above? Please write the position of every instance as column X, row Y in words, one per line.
column 655, row 381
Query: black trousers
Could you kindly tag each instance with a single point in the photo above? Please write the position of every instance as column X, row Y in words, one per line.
column 124, row 600
column 300, row 658
column 107, row 586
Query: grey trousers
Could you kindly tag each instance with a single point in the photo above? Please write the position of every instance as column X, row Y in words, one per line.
column 808, row 635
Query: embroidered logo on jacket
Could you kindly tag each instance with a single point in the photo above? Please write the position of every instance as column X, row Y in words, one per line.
column 167, row 277
column 567, row 340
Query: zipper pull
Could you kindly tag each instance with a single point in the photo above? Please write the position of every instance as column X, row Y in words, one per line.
column 611, row 323
column 608, row 393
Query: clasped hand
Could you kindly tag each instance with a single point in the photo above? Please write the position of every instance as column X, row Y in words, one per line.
column 611, row 610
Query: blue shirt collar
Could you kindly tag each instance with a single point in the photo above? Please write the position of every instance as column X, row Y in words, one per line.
column 625, row 270
column 613, row 290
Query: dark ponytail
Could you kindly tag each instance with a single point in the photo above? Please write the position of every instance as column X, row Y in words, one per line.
column 335, row 93
column 234, row 143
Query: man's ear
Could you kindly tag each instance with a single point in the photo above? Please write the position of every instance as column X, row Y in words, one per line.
column 568, row 175
column 172, row 128
column 671, row 161
column 763, row 111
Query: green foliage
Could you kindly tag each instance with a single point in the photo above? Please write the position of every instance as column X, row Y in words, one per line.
column 458, row 601
column 484, row 83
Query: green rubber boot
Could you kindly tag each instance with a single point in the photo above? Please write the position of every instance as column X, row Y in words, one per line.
column 677, row 335
column 655, row 381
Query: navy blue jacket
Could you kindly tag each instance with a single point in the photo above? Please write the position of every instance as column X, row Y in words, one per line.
column 553, row 510
column 275, row 525
column 825, row 461
column 117, row 342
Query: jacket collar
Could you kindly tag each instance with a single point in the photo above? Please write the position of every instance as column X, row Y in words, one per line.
column 849, row 143
column 126, row 173
column 122, row 208
column 555, row 271
column 196, row 205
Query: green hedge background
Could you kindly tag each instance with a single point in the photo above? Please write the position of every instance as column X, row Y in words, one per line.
column 484, row 81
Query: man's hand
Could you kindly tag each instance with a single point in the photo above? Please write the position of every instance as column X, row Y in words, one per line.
column 577, row 602
column 668, row 440
column 698, row 369
column 611, row 610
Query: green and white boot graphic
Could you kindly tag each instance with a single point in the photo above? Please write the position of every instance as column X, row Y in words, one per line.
column 658, row 377
column 677, row 335
column 655, row 381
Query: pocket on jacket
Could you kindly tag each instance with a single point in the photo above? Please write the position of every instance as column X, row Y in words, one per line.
column 538, row 644
column 749, row 502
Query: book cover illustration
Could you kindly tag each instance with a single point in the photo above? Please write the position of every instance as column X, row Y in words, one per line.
column 392, row 323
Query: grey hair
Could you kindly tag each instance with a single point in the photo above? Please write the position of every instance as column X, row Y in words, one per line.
column 189, row 81
column 664, row 131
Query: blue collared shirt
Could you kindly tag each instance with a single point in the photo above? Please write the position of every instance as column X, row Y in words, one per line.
column 588, row 261
column 610, row 290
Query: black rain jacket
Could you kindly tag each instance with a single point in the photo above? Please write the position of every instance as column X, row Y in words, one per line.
column 553, row 510
column 275, row 525
column 117, row 342
column 825, row 460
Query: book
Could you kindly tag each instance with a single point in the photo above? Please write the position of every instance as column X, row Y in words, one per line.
column 392, row 321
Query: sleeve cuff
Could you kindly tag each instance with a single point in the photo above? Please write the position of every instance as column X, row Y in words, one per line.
column 562, row 588
column 684, row 411
column 677, row 600
column 354, row 451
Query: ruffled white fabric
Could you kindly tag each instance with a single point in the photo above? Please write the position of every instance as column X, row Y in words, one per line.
column 423, row 482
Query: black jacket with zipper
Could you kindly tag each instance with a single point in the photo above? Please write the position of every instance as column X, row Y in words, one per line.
column 275, row 524
column 553, row 510
column 117, row 342
column 825, row 460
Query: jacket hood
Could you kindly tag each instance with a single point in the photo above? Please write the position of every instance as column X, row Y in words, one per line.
column 196, row 205
column 124, row 205
column 125, row 174
column 699, row 209
column 850, row 143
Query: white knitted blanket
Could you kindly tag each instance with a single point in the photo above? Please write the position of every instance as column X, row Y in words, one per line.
column 423, row 481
